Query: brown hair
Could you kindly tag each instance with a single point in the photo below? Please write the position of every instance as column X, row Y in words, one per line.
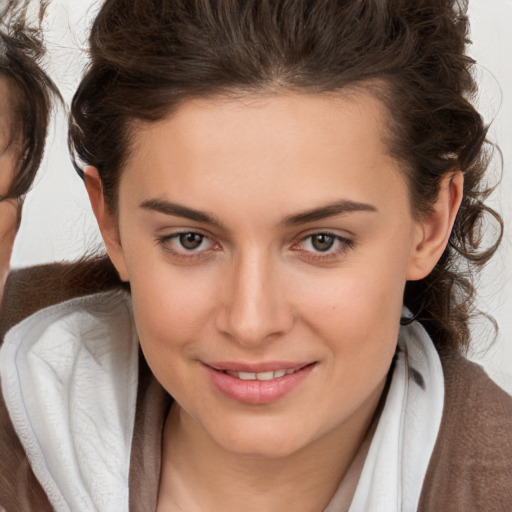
column 30, row 93
column 147, row 56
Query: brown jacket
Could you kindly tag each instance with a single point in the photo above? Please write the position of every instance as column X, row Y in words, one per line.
column 470, row 469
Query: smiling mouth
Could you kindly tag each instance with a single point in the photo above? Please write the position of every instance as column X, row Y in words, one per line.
column 257, row 387
column 265, row 376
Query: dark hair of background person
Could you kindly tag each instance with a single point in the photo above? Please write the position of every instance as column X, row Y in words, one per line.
column 148, row 56
column 30, row 92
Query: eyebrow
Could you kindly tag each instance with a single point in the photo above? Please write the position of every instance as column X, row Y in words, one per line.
column 178, row 210
column 329, row 210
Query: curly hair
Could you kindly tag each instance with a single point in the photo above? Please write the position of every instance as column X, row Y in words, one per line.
column 148, row 56
column 30, row 93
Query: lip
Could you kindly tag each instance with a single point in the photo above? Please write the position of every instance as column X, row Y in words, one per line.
column 256, row 392
column 270, row 366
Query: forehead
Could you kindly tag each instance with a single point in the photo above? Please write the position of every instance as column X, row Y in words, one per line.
column 280, row 147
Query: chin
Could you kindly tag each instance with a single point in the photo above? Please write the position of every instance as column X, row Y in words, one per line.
column 259, row 441
column 263, row 449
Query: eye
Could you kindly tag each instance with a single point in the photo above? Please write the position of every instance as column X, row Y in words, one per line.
column 323, row 245
column 322, row 242
column 187, row 244
column 190, row 241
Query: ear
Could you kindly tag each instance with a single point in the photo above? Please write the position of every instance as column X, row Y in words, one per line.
column 106, row 219
column 435, row 228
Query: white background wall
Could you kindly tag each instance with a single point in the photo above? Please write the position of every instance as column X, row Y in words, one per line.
column 57, row 222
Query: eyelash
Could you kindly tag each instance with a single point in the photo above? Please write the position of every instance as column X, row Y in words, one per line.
column 343, row 244
column 166, row 241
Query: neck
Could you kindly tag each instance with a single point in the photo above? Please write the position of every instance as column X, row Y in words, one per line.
column 198, row 474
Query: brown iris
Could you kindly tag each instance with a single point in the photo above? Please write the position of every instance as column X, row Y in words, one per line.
column 322, row 242
column 190, row 241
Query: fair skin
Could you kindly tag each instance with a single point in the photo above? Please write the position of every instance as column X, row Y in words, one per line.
column 9, row 219
column 300, row 242
column 9, row 208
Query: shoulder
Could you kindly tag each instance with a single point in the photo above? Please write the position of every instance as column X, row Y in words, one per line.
column 471, row 466
column 19, row 488
column 30, row 289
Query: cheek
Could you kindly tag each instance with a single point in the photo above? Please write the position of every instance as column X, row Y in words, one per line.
column 358, row 325
column 365, row 292
column 359, row 321
column 170, row 301
column 356, row 310
column 172, row 311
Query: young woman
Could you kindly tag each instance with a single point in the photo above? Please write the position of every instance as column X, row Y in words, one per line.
column 25, row 103
column 291, row 192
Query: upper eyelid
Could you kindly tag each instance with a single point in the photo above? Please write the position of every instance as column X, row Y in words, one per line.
column 175, row 231
column 328, row 232
column 225, row 233
column 339, row 238
column 170, row 236
column 334, row 231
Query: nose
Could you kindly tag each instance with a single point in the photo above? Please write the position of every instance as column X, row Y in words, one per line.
column 254, row 307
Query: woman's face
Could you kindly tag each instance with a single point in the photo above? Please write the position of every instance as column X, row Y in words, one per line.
column 267, row 242
column 9, row 209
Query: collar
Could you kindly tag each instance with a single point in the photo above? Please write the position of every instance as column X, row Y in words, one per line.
column 69, row 379
column 402, row 445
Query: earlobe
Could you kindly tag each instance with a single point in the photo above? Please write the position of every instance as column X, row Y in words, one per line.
column 106, row 220
column 435, row 228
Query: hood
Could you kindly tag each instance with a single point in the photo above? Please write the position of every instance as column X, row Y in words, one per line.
column 69, row 379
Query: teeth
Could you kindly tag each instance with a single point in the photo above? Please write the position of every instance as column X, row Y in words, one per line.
column 262, row 375
column 246, row 376
column 265, row 376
